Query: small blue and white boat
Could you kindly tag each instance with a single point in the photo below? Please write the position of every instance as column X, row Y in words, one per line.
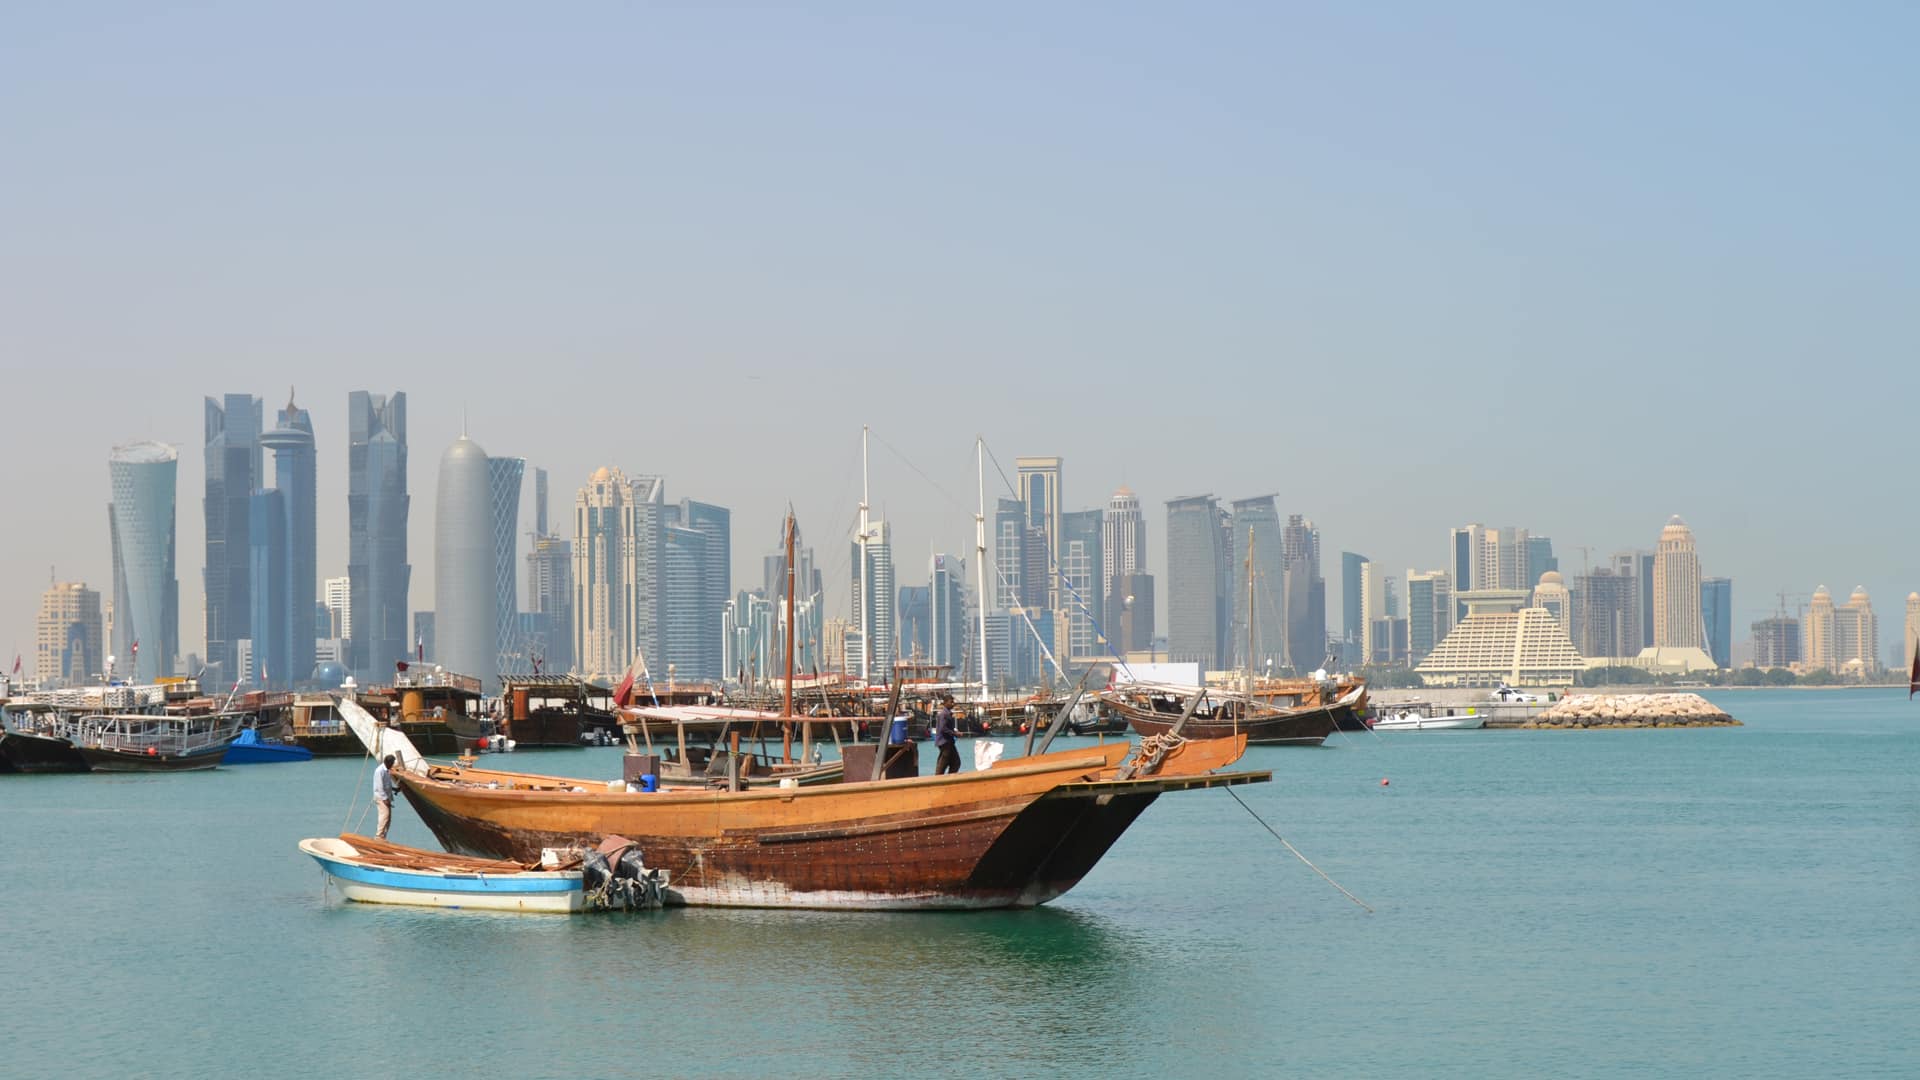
column 375, row 872
column 251, row 749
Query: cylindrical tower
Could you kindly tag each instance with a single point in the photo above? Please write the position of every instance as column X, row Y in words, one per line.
column 146, row 592
column 463, row 586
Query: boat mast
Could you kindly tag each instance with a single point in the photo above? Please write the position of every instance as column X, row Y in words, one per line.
column 980, row 553
column 786, row 705
column 864, row 584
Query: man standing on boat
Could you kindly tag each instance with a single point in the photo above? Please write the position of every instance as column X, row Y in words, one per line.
column 383, row 788
column 944, row 731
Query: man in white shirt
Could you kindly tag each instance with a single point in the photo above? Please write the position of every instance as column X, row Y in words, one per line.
column 383, row 789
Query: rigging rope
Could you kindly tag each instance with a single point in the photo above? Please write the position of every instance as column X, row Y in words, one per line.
column 1296, row 851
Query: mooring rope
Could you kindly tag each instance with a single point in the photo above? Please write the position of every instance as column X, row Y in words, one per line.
column 1296, row 852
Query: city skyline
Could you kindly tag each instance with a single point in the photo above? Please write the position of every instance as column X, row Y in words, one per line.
column 1451, row 223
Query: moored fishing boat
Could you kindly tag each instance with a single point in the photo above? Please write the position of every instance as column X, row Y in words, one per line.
column 146, row 742
column 1415, row 717
column 31, row 744
column 1152, row 709
column 372, row 871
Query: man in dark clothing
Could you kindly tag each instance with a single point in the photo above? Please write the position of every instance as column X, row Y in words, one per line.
column 944, row 730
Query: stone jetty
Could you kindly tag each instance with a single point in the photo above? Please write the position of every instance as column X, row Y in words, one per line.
column 1631, row 711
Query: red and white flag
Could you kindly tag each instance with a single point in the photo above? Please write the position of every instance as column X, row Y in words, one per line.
column 16, row 663
column 623, row 693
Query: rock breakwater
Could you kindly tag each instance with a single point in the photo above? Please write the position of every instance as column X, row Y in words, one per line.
column 1631, row 710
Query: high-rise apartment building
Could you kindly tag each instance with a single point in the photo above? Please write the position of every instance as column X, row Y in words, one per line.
column 1352, row 611
column 686, row 645
column 1130, row 614
column 1817, row 645
column 1856, row 635
column 378, row 507
column 1081, row 591
column 1257, row 537
column 870, row 644
column 618, row 549
column 465, row 585
column 233, row 472
column 550, row 596
column 1373, row 609
column 1676, row 590
column 1776, row 642
column 947, row 623
column 1716, row 616
column 1123, row 541
column 1607, row 623
column 715, row 523
column 1305, row 594
column 915, row 606
column 1429, row 611
column 146, row 586
column 69, row 646
column 1038, row 479
column 336, row 595
column 1197, row 577
column 504, row 478
column 284, row 577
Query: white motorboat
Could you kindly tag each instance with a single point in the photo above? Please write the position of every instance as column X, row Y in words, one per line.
column 1413, row 720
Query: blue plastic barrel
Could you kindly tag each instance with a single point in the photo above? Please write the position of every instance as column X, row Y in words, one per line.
column 649, row 782
column 897, row 732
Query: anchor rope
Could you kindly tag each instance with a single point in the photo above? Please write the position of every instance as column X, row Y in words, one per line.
column 1296, row 851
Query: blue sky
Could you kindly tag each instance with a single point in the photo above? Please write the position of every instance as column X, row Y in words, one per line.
column 1407, row 266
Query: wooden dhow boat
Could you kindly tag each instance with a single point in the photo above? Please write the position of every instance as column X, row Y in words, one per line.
column 1015, row 835
column 1153, row 708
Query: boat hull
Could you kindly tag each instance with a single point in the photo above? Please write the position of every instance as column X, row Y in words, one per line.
column 1010, row 837
column 265, row 754
column 1308, row 726
column 537, row 892
column 1430, row 723
column 40, row 754
column 108, row 759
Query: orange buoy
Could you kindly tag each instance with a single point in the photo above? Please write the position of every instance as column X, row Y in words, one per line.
column 151, row 752
column 1383, row 781
column 483, row 742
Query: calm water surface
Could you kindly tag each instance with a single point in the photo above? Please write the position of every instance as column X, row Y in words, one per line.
column 1737, row 902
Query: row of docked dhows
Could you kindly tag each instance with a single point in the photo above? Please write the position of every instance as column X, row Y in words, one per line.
column 1016, row 834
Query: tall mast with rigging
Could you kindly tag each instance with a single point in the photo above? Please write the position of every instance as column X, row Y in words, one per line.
column 980, row 554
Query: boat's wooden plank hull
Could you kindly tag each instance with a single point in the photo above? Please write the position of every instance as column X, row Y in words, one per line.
column 106, row 759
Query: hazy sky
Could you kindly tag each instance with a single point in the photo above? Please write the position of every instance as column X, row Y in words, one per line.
column 1405, row 266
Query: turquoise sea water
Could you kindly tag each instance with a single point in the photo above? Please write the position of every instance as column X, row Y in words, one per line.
column 1731, row 902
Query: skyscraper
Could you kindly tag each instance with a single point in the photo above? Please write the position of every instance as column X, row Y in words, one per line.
column 1305, row 593
column 504, row 476
column 1256, row 521
column 146, row 587
column 1552, row 594
column 1607, row 624
column 870, row 644
column 1039, row 483
column 1373, row 612
column 615, row 525
column 1856, row 635
column 682, row 639
column 285, row 563
column 233, row 464
column 715, row 524
column 916, row 621
column 1776, row 642
column 337, row 594
column 377, row 510
column 1081, row 560
column 464, row 575
column 1352, row 613
column 1429, row 611
column 1716, row 614
column 1676, row 590
column 1197, row 573
column 1123, row 540
column 1009, row 553
column 947, row 623
column 69, row 645
column 1817, row 630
